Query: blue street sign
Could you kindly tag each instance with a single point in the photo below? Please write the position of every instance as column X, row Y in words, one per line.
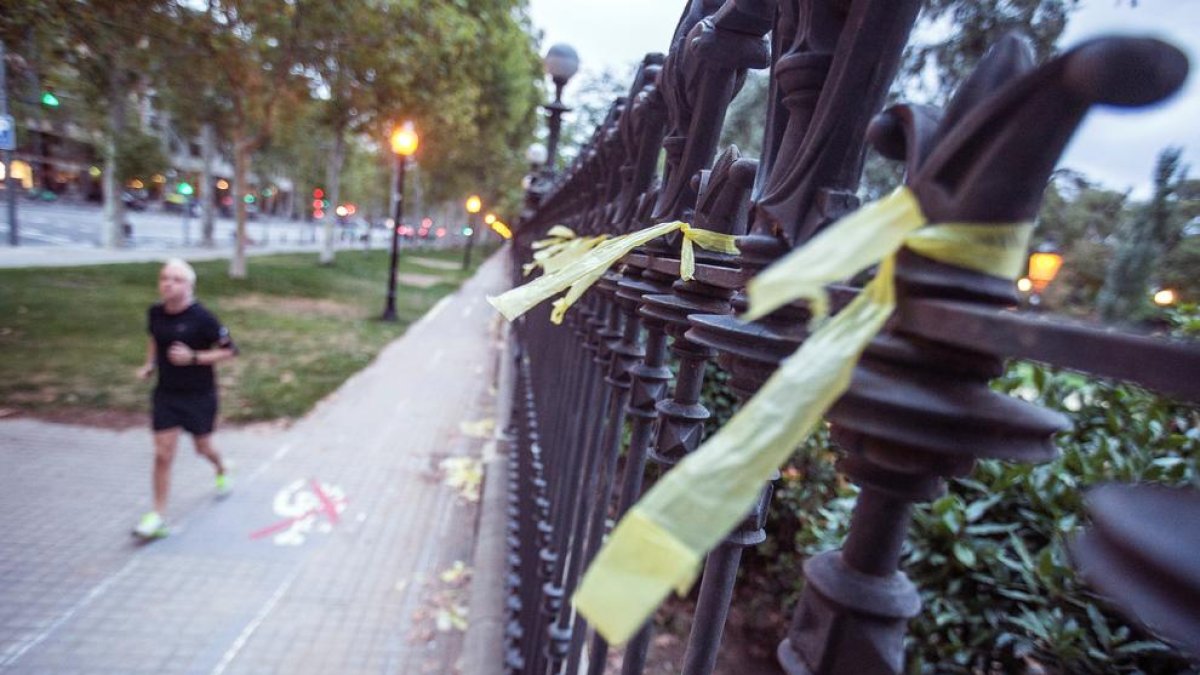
column 8, row 136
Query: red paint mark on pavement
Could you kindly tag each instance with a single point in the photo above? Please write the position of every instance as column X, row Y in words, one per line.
column 329, row 507
column 281, row 525
column 326, row 503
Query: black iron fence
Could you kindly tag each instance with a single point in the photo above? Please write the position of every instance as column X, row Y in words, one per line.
column 598, row 392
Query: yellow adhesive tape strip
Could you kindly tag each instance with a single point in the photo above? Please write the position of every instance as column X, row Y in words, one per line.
column 842, row 250
column 698, row 502
column 581, row 262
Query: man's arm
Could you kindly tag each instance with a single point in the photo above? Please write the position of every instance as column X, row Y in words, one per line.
column 148, row 367
column 223, row 349
column 183, row 355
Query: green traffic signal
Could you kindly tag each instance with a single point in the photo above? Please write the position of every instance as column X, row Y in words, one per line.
column 185, row 189
column 49, row 99
column 467, row 231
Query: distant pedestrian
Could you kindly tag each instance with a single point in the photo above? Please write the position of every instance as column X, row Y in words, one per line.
column 186, row 340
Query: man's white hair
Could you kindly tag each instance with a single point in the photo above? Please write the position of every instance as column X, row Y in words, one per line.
column 183, row 266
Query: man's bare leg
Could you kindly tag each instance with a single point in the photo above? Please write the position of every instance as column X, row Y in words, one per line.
column 165, row 443
column 205, row 449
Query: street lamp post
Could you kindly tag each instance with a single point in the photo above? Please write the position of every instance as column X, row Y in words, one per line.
column 561, row 63
column 10, row 131
column 404, row 144
column 474, row 204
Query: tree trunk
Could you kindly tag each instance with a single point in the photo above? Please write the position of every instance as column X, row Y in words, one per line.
column 333, row 180
column 208, row 190
column 113, row 234
column 241, row 151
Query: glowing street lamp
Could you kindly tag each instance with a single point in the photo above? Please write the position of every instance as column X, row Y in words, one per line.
column 1043, row 267
column 489, row 219
column 404, row 143
column 1165, row 297
column 474, row 204
column 404, row 140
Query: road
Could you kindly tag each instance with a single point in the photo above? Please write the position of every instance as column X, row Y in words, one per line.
column 64, row 224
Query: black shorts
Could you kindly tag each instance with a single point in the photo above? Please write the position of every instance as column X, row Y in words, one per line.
column 195, row 411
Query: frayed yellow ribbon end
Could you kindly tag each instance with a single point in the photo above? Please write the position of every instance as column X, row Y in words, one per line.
column 641, row 563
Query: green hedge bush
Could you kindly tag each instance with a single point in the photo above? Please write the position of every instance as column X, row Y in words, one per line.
column 999, row 594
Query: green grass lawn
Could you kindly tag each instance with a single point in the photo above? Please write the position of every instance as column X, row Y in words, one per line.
column 71, row 338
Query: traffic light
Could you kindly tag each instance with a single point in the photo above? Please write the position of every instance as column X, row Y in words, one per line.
column 49, row 99
column 185, row 189
column 467, row 231
column 318, row 193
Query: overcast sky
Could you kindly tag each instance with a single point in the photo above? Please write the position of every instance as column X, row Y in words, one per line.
column 1117, row 148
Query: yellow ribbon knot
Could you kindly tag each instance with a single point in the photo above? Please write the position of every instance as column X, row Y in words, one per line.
column 576, row 270
column 659, row 544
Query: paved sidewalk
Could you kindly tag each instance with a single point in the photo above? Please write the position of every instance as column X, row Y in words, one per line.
column 352, row 585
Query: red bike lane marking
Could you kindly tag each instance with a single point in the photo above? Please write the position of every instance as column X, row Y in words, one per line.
column 328, row 507
column 326, row 503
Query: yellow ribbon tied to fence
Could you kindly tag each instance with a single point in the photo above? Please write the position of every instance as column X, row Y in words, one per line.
column 660, row 543
column 560, row 247
column 580, row 273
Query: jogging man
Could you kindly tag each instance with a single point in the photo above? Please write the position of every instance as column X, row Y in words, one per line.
column 186, row 340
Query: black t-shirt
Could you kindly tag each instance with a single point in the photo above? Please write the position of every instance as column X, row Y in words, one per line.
column 195, row 327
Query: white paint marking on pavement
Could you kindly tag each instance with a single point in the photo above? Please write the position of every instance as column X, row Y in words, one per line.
column 280, row 453
column 437, row 307
column 241, row 640
column 15, row 652
column 32, row 233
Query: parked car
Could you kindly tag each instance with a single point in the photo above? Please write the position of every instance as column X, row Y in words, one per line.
column 135, row 200
column 176, row 203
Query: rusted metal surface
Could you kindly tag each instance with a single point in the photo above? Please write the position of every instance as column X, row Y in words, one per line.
column 617, row 386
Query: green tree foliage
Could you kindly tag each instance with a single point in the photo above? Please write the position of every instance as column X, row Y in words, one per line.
column 95, row 53
column 590, row 104
column 1126, row 291
column 952, row 35
column 1079, row 218
column 139, row 155
column 498, row 72
column 747, row 115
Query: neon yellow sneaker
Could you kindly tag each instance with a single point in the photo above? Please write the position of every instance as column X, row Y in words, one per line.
column 224, row 485
column 151, row 526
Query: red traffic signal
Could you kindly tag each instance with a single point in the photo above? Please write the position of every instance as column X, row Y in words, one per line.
column 318, row 193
